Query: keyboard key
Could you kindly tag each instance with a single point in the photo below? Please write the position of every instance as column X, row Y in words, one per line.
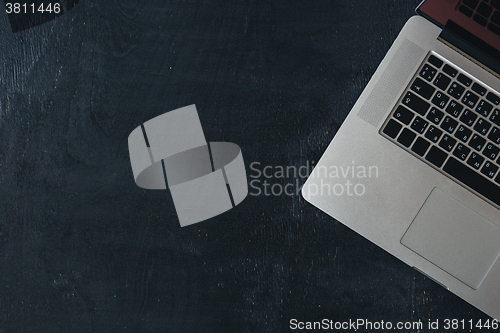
column 454, row 108
column 403, row 115
column 468, row 117
column 435, row 115
column 406, row 137
column 466, row 10
column 484, row 10
column 436, row 156
column 440, row 99
column 392, row 128
column 484, row 108
column 420, row 146
column 428, row 72
column 450, row 70
column 435, row 61
column 456, row 90
column 482, row 126
column 471, row 3
column 477, row 142
column 493, row 98
column 463, row 133
column 470, row 99
column 433, row 134
column 447, row 143
column 491, row 151
column 494, row 28
column 475, row 181
column 479, row 89
column 442, row 81
column 489, row 169
column 495, row 18
column 481, row 20
column 415, row 103
column 419, row 125
column 449, row 124
column 464, row 80
column 461, row 151
column 423, row 89
column 475, row 160
column 495, row 135
column 495, row 3
column 495, row 117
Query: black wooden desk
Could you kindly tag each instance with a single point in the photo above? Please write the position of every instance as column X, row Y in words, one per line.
column 83, row 249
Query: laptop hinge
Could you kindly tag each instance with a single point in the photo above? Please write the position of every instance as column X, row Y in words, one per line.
column 471, row 47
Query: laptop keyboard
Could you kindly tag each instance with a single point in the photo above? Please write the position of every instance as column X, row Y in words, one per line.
column 484, row 12
column 452, row 122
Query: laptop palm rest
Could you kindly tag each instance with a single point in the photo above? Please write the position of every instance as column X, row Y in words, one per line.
column 454, row 237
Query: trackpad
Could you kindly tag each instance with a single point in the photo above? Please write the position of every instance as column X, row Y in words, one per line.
column 455, row 238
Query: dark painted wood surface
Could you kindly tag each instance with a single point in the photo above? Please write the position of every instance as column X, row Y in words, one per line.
column 83, row 249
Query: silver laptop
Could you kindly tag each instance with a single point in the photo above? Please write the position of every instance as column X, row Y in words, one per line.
column 415, row 166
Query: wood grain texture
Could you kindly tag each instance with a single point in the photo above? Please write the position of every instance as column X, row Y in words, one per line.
column 83, row 249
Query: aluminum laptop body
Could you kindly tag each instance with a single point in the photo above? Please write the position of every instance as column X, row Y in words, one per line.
column 415, row 167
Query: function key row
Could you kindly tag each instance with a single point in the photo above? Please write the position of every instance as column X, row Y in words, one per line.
column 457, row 91
column 442, row 81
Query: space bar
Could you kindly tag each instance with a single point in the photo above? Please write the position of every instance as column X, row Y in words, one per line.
column 475, row 181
